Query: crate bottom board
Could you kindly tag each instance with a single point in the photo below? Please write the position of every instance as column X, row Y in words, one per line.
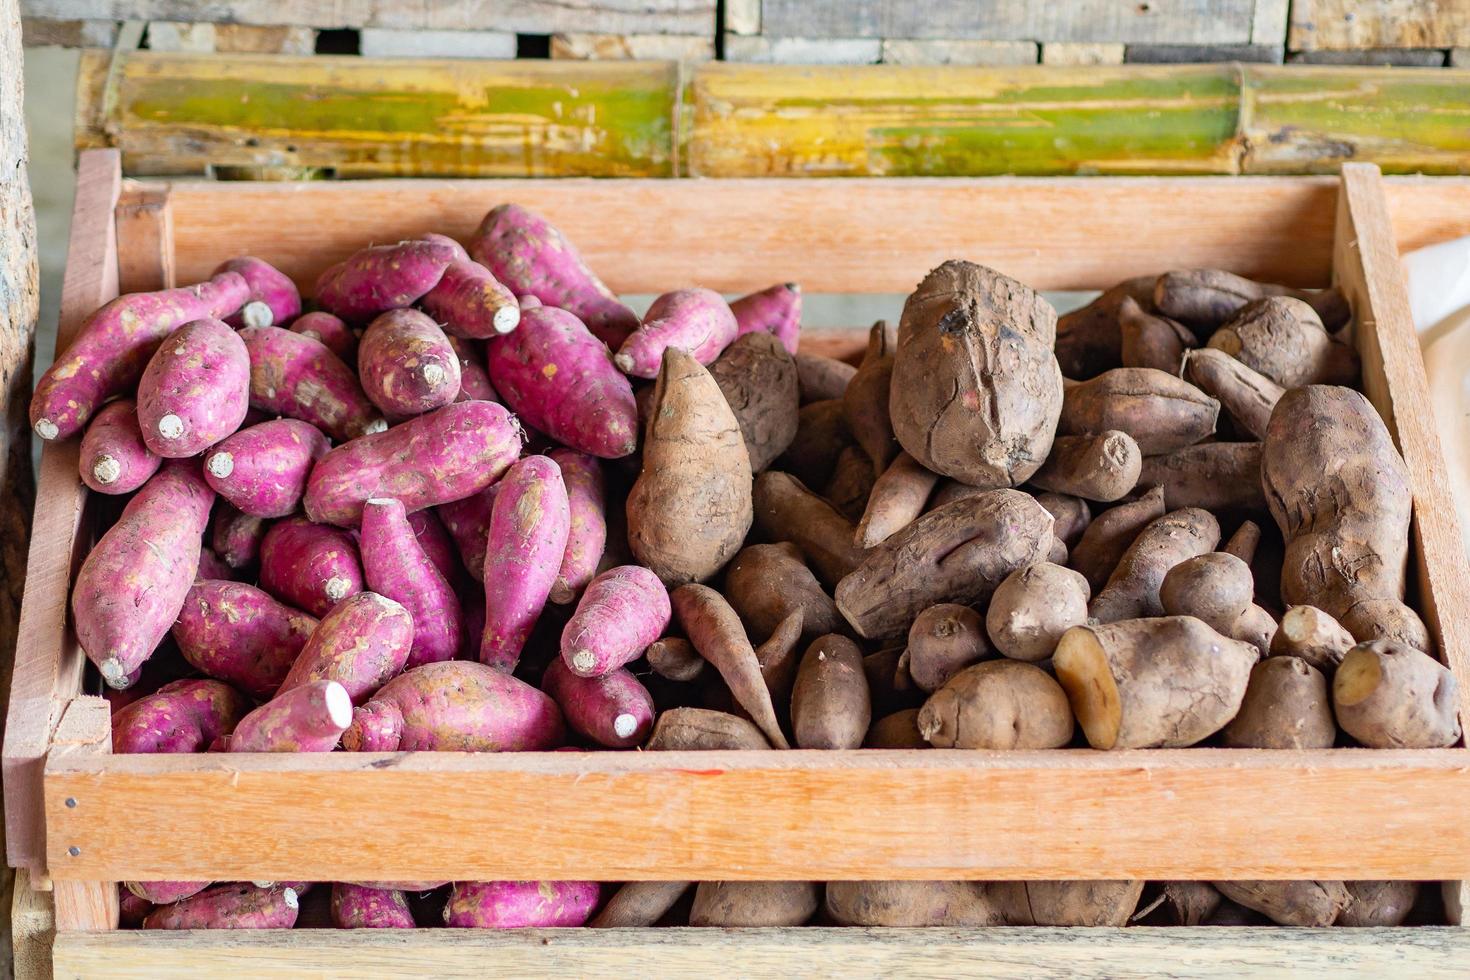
column 1001, row 952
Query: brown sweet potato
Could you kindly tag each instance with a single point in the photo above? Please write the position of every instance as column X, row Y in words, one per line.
column 830, row 707
column 785, row 510
column 675, row 659
column 852, row 483
column 779, row 657
column 1286, row 706
column 958, row 553
column 1033, row 607
column 699, row 729
column 1247, row 396
column 1110, row 533
column 758, row 378
column 1214, row 475
column 639, row 904
column 1150, row 340
column 998, row 704
column 822, row 378
column 767, row 582
column 976, row 389
column 1160, row 411
column 1103, row 467
column 1283, row 339
column 821, row 436
column 896, row 500
column 1203, row 299
column 944, row 639
column 889, row 683
column 691, row 506
column 1090, row 339
column 752, row 904
column 913, row 903
column 899, row 730
column 865, row 401
column 1309, row 633
column 1244, row 541
column 1070, row 514
column 1070, row 903
column 1133, row 588
column 1290, row 903
column 1389, row 696
column 716, row 632
column 1378, row 903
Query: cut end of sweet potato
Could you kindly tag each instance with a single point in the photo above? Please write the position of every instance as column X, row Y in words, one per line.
column 291, row 899
column 584, row 662
column 45, row 429
column 1358, row 676
column 114, row 673
column 171, row 426
column 221, row 465
column 106, row 470
column 257, row 314
column 339, row 705
column 625, row 725
column 624, row 362
column 1084, row 673
column 337, row 588
column 506, row 319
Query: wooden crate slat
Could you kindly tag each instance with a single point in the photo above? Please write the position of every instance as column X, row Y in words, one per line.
column 831, row 236
column 1194, row 21
column 1344, row 24
column 85, row 731
column 1427, row 210
column 1210, row 952
column 48, row 662
column 145, row 235
column 754, row 816
column 519, row 16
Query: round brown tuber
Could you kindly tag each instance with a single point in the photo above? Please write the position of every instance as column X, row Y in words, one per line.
column 1378, row 903
column 699, row 729
column 912, row 903
column 674, row 658
column 830, row 704
column 1097, row 553
column 851, row 484
column 1160, row 411
column 767, row 582
column 1133, row 588
column 821, row 435
column 1286, row 706
column 1033, row 607
column 1150, row 340
column 1069, row 903
column 753, row 904
column 1104, row 467
column 999, row 704
column 1389, row 696
column 1247, row 396
column 899, row 730
column 1309, row 633
column 1282, row 338
column 1290, row 903
column 944, row 639
column 639, row 904
column 1215, row 587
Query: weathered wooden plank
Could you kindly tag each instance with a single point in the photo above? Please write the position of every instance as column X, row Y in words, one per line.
column 168, row 35
column 85, row 731
column 764, row 50
column 515, row 16
column 750, row 815
column 902, row 121
column 1186, row 54
column 1159, row 21
column 39, row 32
column 1219, row 953
column 32, row 929
column 182, row 113
column 1395, row 57
column 145, row 239
column 1269, row 22
column 1077, row 53
column 378, row 42
column 48, row 662
column 1301, row 119
column 897, row 51
column 1327, row 24
column 654, row 47
column 841, row 236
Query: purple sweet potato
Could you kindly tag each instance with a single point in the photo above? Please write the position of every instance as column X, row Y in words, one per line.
column 460, row 255
column 523, row 251
column 164, row 892
column 456, row 706
column 297, row 376
column 382, row 278
column 233, row 906
column 212, row 566
column 331, row 330
column 113, row 346
column 195, row 390
column 614, row 710
column 623, row 610
column 184, row 716
column 362, row 644
column 132, row 909
column 114, row 457
column 396, row 566
column 406, row 365
column 474, row 380
column 238, row 634
column 561, row 380
column 470, row 302
column 274, row 299
column 361, row 907
column 698, row 321
column 438, row 546
column 262, row 470
column 523, row 553
column 309, row 566
column 775, row 310
column 520, row 904
column 309, row 718
column 468, row 523
column 446, row 455
column 237, row 536
column 587, row 538
column 132, row 585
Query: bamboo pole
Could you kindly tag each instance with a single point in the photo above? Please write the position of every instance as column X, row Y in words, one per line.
column 261, row 115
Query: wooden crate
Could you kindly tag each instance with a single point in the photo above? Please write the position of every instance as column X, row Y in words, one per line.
column 79, row 820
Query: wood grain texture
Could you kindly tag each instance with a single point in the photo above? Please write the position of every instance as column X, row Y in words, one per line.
column 830, row 235
column 48, row 662
column 517, row 16
column 1366, row 266
column 733, row 815
column 1177, row 21
column 1340, row 24
column 145, row 239
column 1210, row 952
column 32, row 921
column 85, row 732
column 182, row 113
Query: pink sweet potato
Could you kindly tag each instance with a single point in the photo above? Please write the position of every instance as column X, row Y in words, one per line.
column 561, row 380
column 237, row 536
column 623, row 610
column 438, row 546
column 456, row 706
column 468, row 523
column 470, row 302
column 294, row 375
column 233, row 906
column 587, row 538
column 460, row 255
column 114, row 345
column 309, row 566
column 262, row 470
column 446, row 455
column 331, row 330
column 195, row 390
column 528, row 539
column 132, row 585
column 362, row 644
column 614, row 710
column 361, row 907
column 132, row 909
column 309, row 718
column 520, row 904
column 274, row 299
column 164, row 892
column 238, row 634
column 184, row 716
column 474, row 380
column 114, row 457
column 396, row 566
column 406, row 364
column 211, row 566
column 698, row 321
column 523, row 251
column 382, row 278
column 775, row 310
